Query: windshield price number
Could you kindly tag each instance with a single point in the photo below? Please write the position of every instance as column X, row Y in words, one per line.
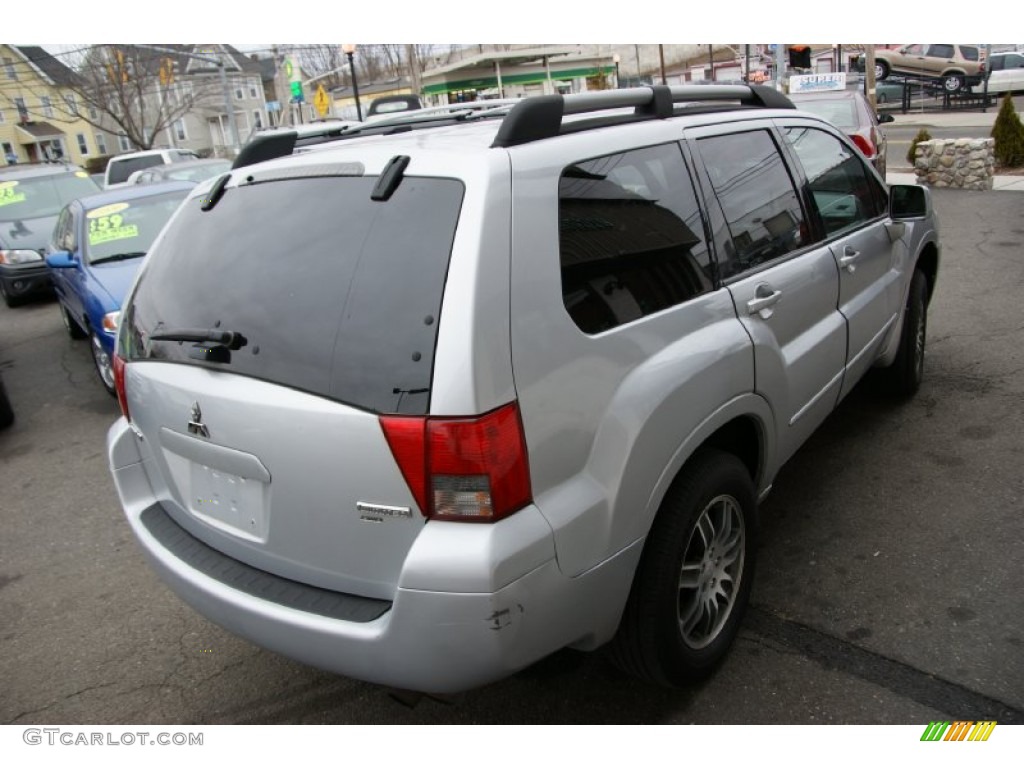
column 105, row 223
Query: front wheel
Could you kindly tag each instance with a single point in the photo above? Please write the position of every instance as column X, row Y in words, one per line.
column 691, row 588
column 907, row 371
column 881, row 70
column 73, row 328
column 104, row 365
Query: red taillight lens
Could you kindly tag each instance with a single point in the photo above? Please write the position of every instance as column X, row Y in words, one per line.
column 472, row 469
column 864, row 145
column 122, row 398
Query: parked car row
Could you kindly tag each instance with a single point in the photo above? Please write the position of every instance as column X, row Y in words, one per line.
column 60, row 233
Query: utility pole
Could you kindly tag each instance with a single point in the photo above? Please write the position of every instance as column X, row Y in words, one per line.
column 661, row 57
column 780, row 65
column 414, row 69
column 869, row 77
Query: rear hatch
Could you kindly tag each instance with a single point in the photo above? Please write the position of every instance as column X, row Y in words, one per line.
column 267, row 441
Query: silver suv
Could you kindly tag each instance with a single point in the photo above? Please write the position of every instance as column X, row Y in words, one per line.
column 433, row 398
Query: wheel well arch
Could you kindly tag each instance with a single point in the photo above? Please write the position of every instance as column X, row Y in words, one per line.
column 928, row 263
column 743, row 437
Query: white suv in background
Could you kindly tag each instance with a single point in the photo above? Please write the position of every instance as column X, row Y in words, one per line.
column 120, row 167
column 434, row 398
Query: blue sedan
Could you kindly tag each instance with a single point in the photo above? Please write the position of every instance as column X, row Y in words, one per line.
column 95, row 250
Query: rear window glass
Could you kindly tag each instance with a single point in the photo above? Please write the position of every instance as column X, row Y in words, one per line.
column 335, row 294
column 120, row 170
column 969, row 52
column 840, row 112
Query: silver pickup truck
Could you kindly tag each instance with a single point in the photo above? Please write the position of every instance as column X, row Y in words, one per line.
column 423, row 400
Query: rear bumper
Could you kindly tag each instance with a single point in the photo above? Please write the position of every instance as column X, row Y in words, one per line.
column 428, row 637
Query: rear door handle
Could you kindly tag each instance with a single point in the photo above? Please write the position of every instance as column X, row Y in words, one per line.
column 764, row 297
column 848, row 259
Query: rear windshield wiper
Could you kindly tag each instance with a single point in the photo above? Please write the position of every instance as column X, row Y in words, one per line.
column 229, row 339
column 118, row 257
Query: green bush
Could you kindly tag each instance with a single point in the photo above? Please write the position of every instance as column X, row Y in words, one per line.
column 1008, row 131
column 96, row 164
column 922, row 135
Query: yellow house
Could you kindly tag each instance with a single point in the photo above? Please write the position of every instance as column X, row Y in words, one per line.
column 39, row 111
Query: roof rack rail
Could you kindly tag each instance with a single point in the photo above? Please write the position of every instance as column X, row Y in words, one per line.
column 282, row 143
column 526, row 120
column 541, row 117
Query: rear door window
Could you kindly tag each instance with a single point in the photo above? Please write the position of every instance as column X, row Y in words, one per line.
column 764, row 220
column 335, row 294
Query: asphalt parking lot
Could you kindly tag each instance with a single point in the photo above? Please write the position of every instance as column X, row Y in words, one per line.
column 890, row 587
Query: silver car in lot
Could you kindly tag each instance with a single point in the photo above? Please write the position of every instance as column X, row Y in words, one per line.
column 426, row 402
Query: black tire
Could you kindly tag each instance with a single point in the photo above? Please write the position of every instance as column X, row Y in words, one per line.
column 70, row 325
column 954, row 82
column 881, row 70
column 670, row 634
column 9, row 300
column 905, row 374
column 103, row 365
column 6, row 412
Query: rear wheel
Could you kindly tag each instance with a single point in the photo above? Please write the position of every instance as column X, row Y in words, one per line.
column 953, row 82
column 104, row 365
column 693, row 582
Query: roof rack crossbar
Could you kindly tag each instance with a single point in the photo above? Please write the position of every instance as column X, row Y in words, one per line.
column 534, row 119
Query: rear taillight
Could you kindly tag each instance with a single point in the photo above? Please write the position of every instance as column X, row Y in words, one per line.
column 471, row 469
column 864, row 145
column 122, row 397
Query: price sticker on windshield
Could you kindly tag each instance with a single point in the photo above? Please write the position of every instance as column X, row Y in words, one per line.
column 9, row 194
column 107, row 224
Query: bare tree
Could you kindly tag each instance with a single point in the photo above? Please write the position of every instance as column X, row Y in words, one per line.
column 132, row 90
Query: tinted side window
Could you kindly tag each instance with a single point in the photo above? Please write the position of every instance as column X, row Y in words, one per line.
column 942, row 51
column 631, row 237
column 969, row 52
column 763, row 217
column 845, row 193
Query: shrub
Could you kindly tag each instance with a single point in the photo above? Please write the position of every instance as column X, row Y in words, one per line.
column 96, row 164
column 922, row 135
column 1008, row 131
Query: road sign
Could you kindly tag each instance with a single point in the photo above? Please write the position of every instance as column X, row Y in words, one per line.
column 321, row 101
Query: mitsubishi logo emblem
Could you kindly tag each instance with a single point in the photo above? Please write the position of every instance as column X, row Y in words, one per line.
column 196, row 426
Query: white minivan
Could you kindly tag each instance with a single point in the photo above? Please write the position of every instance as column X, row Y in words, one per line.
column 122, row 166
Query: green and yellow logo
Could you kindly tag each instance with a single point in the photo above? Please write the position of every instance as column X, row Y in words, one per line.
column 961, row 730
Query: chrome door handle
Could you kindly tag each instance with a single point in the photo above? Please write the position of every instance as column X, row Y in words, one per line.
column 764, row 297
column 846, row 261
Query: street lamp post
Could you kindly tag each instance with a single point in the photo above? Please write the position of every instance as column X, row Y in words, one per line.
column 616, row 58
column 349, row 49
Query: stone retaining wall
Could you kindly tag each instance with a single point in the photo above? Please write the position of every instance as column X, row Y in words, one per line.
column 963, row 163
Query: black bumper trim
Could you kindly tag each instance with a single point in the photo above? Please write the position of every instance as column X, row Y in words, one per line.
column 252, row 581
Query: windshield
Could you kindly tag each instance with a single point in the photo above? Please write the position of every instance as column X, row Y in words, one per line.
column 127, row 229
column 35, row 198
column 840, row 112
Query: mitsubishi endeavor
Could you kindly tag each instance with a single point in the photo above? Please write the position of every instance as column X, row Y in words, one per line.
column 442, row 394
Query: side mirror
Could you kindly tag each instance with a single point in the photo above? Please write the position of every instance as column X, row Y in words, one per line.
column 885, row 117
column 61, row 260
column 909, row 201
